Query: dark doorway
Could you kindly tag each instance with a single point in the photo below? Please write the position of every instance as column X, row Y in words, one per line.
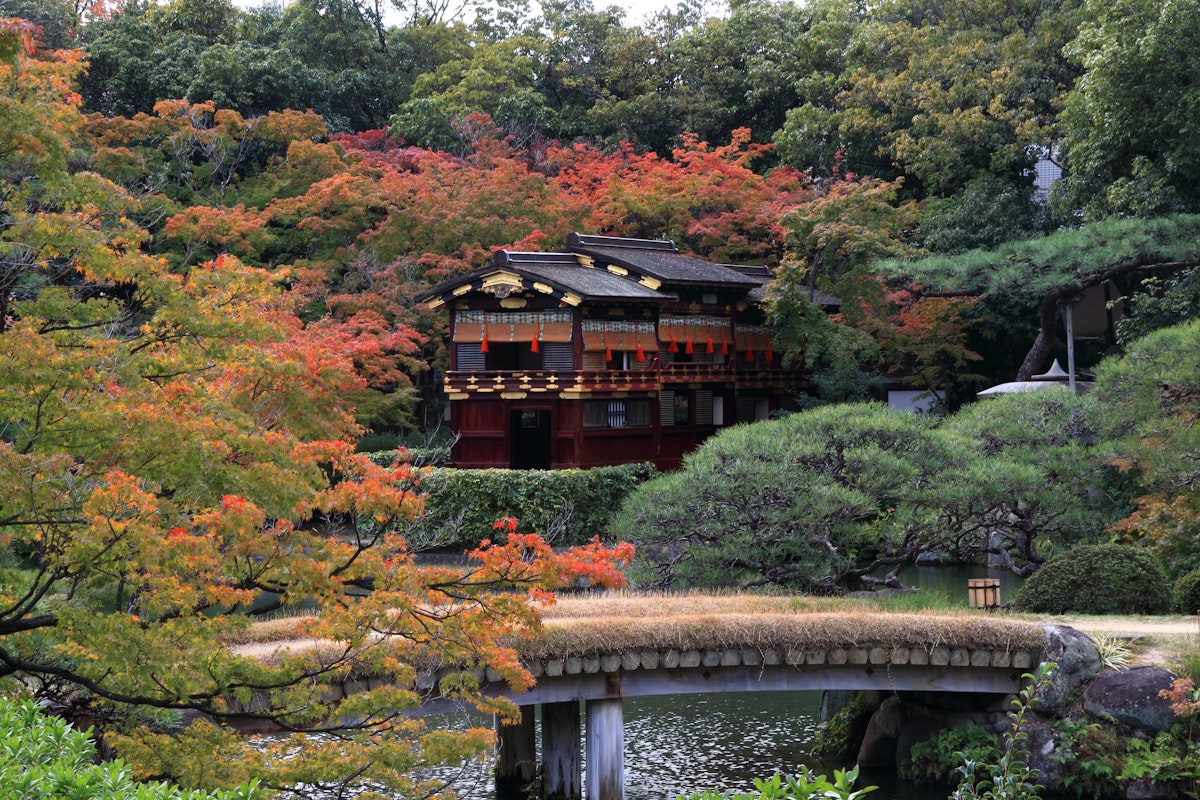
column 530, row 438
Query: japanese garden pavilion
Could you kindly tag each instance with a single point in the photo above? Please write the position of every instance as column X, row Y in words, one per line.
column 611, row 351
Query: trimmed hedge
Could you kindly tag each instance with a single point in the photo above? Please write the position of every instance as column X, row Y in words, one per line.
column 1098, row 579
column 565, row 506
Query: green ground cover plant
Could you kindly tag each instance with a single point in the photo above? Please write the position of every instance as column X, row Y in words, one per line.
column 803, row 786
column 936, row 760
column 46, row 758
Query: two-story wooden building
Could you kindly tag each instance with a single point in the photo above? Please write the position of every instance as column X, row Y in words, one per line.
column 612, row 351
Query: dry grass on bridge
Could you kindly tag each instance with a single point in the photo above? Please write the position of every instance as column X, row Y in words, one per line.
column 622, row 622
column 626, row 621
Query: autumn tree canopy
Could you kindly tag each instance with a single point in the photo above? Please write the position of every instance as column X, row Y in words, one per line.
column 264, row 129
column 174, row 457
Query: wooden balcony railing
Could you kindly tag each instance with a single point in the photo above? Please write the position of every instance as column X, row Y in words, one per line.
column 616, row 380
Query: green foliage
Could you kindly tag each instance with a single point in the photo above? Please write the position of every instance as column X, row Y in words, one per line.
column 45, row 757
column 1160, row 303
column 1090, row 756
column 432, row 456
column 1053, row 270
column 1187, row 663
column 1098, row 579
column 807, row 501
column 833, row 239
column 1162, row 759
column 1114, row 653
column 1185, row 596
column 1130, row 144
column 1098, row 759
column 940, row 94
column 1070, row 258
column 335, row 58
column 987, row 212
column 820, row 499
column 1038, row 447
column 937, row 759
column 1010, row 778
column 805, row 786
column 1151, row 404
column 568, row 506
column 840, row 357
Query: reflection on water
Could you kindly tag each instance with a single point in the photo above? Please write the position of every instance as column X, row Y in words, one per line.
column 951, row 581
column 680, row 744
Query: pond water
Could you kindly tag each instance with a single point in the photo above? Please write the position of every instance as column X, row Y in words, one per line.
column 951, row 581
column 682, row 744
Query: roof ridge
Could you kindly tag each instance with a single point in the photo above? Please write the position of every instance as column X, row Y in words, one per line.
column 585, row 240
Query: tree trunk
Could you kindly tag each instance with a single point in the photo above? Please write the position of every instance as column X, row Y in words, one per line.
column 1047, row 333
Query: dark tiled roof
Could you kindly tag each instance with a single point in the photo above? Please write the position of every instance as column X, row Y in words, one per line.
column 759, row 272
column 559, row 270
column 640, row 258
column 660, row 260
column 593, row 284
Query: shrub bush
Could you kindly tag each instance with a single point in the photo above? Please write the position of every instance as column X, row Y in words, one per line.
column 45, row 757
column 565, row 506
column 1098, row 579
column 1186, row 595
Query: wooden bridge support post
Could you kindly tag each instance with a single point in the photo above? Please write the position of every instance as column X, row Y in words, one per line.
column 516, row 756
column 562, row 765
column 605, row 750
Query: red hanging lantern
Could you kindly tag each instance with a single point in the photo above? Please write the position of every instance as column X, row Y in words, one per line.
column 607, row 350
column 770, row 352
column 483, row 347
column 641, row 355
column 687, row 348
column 673, row 347
column 749, row 353
column 533, row 347
column 724, row 347
column 708, row 348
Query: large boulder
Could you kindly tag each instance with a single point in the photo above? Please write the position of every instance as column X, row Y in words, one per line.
column 1130, row 696
column 1077, row 661
column 1043, row 751
column 879, row 742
